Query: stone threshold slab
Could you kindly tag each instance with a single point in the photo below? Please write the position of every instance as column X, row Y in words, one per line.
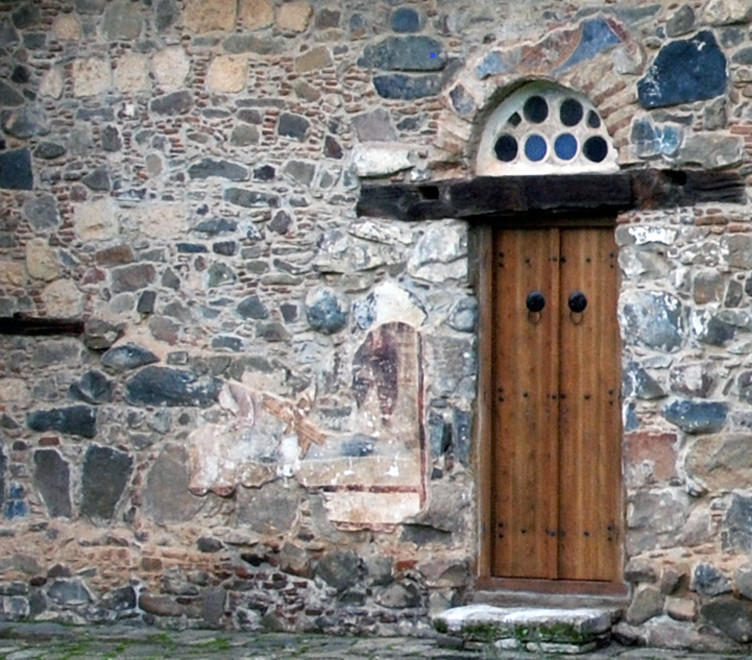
column 578, row 627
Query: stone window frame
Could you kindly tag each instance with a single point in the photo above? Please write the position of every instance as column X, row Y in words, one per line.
column 544, row 128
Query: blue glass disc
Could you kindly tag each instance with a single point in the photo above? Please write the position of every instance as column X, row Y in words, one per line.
column 535, row 148
column 566, row 146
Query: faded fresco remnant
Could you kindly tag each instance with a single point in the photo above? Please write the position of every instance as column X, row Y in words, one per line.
column 372, row 476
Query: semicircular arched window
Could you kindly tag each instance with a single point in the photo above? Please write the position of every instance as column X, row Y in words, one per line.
column 544, row 128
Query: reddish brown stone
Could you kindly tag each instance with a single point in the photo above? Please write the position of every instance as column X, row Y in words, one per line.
column 650, row 458
column 115, row 256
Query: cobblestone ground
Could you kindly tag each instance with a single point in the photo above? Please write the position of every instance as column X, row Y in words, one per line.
column 56, row 642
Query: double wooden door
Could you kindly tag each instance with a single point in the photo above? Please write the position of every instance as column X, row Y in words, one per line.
column 556, row 486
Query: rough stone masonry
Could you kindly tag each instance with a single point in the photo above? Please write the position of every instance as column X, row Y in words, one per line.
column 268, row 420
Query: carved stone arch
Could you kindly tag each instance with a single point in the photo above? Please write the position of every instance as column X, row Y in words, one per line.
column 605, row 77
column 544, row 128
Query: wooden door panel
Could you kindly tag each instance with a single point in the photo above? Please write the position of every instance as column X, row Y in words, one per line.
column 557, row 442
column 589, row 438
column 526, row 405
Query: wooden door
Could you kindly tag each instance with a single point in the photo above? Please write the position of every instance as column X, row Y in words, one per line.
column 556, row 419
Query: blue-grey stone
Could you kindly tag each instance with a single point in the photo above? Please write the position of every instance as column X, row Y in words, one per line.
column 120, row 600
column 15, row 508
column 631, row 420
column 15, row 170
column 745, row 386
column 327, row 310
column 596, row 37
column 462, row 423
column 732, row 616
column 405, row 87
column 167, row 13
column 340, row 569
column 639, row 383
column 93, row 387
column 264, row 173
column 146, row 302
column 405, row 19
column 374, row 126
column 132, row 277
column 404, row 54
column 227, row 343
column 128, row 356
column 175, row 103
column 492, row 65
column 24, row 122
column 439, row 434
column 49, row 150
column 26, row 15
column 681, row 22
column 164, row 386
column 250, row 198
column 106, row 472
column 220, row 274
column 281, row 222
column 328, row 18
column 653, row 140
column 41, row 212
column 250, row 43
column 737, row 536
column 191, row 248
column 743, row 56
column 122, row 21
column 300, row 171
column 696, row 416
column 252, row 308
column 77, row 420
column 69, row 592
column 111, row 139
column 20, row 75
column 88, row 114
column 8, row 35
column 225, row 248
column 463, row 104
column 9, row 96
column 654, row 319
column 716, row 332
column 293, row 126
column 223, row 169
column 52, row 480
column 684, row 72
column 216, row 226
column 98, row 180
column 4, row 465
column 707, row 580
column 464, row 315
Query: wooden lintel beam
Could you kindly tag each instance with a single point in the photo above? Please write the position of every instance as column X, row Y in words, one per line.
column 499, row 196
column 27, row 325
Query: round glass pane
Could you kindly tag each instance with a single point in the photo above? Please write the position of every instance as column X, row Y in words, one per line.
column 535, row 148
column 566, row 146
column 535, row 109
column 506, row 148
column 595, row 149
column 571, row 112
column 515, row 119
column 593, row 120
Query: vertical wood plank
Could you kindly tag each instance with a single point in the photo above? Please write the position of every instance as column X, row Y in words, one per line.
column 590, row 440
column 526, row 405
column 483, row 252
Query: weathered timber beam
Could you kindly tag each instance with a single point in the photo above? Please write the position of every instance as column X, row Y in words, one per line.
column 497, row 196
column 27, row 325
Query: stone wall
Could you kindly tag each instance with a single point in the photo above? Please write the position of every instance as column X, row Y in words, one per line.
column 268, row 420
